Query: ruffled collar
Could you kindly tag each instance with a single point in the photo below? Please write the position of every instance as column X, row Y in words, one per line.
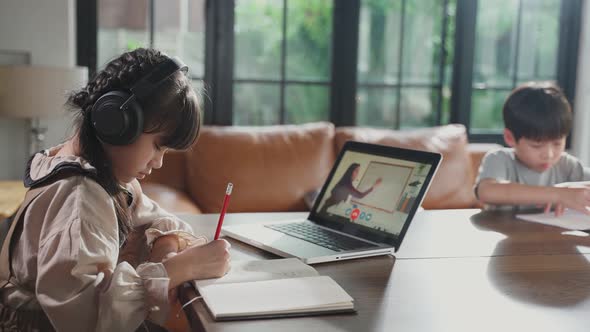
column 45, row 165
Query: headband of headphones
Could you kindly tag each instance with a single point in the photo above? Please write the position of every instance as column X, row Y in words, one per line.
column 145, row 86
column 154, row 78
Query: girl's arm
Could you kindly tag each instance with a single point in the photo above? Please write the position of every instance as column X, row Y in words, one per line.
column 360, row 194
column 175, row 234
column 202, row 262
column 163, row 246
column 81, row 286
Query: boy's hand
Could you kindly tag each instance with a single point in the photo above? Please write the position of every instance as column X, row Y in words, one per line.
column 573, row 195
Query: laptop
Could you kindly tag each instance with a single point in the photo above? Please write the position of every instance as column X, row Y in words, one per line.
column 363, row 209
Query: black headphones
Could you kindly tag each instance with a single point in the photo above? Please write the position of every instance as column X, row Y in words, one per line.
column 117, row 116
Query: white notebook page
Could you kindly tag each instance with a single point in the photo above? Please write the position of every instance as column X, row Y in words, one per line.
column 256, row 270
column 275, row 296
column 571, row 219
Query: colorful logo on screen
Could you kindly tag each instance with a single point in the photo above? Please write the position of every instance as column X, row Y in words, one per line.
column 355, row 213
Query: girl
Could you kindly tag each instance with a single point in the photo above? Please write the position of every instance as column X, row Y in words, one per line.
column 74, row 265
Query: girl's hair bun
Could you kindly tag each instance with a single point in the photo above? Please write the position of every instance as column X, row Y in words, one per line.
column 80, row 98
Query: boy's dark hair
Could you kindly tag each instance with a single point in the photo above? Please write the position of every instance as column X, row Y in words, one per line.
column 538, row 111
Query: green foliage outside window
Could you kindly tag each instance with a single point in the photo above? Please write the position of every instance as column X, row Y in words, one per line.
column 258, row 53
column 515, row 41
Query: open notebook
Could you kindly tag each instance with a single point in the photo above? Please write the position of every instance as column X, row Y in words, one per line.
column 272, row 288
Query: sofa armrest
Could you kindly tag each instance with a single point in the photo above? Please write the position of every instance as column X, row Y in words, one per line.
column 476, row 153
column 170, row 199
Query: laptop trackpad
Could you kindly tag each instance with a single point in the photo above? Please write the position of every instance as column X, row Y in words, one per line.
column 266, row 238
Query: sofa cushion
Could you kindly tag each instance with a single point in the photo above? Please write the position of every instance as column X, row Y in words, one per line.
column 271, row 167
column 452, row 185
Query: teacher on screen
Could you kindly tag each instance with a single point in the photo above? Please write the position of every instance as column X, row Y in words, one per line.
column 344, row 188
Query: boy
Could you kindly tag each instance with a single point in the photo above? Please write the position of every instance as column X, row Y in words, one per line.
column 537, row 119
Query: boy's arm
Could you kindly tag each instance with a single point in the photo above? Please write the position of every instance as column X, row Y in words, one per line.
column 491, row 191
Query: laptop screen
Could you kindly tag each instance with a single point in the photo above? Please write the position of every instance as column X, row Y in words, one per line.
column 375, row 195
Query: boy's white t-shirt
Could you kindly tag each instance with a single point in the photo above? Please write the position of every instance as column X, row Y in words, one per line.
column 502, row 165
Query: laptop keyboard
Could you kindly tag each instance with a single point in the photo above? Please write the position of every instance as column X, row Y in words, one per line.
column 317, row 235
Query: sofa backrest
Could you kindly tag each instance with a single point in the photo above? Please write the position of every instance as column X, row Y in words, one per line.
column 271, row 167
column 452, row 185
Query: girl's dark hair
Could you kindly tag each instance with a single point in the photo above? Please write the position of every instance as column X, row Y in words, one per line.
column 538, row 111
column 347, row 177
column 172, row 110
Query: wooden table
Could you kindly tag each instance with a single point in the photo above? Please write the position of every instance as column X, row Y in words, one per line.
column 472, row 233
column 12, row 193
column 457, row 270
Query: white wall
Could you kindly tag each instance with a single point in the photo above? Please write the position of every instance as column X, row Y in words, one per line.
column 581, row 134
column 46, row 29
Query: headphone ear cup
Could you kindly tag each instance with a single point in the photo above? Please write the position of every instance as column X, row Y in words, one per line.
column 114, row 125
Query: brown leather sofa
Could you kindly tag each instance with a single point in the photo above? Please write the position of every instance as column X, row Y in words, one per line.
column 272, row 168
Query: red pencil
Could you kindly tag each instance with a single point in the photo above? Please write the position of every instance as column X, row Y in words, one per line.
column 230, row 186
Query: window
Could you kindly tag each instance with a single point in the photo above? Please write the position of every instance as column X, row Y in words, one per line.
column 179, row 29
column 516, row 42
column 403, row 66
column 379, row 63
column 122, row 26
column 173, row 26
column 281, row 61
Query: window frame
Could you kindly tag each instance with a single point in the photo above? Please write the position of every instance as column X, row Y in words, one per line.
column 567, row 60
column 400, row 85
column 219, row 60
column 283, row 82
